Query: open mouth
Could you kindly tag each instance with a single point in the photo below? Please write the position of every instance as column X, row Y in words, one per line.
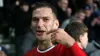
column 40, row 32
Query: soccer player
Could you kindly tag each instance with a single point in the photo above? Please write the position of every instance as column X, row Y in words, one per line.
column 45, row 27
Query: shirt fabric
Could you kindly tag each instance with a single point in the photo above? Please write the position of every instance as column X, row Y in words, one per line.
column 58, row 50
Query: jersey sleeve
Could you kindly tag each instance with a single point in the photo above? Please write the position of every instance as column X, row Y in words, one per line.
column 76, row 50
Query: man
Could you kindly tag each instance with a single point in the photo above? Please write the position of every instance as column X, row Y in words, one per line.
column 45, row 27
column 79, row 32
column 62, row 7
column 78, row 17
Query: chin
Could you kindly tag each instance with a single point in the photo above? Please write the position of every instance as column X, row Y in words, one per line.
column 84, row 47
column 40, row 37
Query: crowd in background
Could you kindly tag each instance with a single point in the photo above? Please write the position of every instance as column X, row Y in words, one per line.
column 15, row 20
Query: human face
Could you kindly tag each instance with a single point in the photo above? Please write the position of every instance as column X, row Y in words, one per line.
column 43, row 21
column 84, row 40
column 88, row 13
column 25, row 8
column 81, row 16
column 63, row 4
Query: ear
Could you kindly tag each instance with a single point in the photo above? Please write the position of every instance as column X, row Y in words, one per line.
column 80, row 38
column 56, row 24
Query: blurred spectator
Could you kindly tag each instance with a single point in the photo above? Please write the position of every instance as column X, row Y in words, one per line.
column 97, row 2
column 27, row 44
column 21, row 22
column 87, row 21
column 69, row 12
column 87, row 10
column 93, row 47
column 61, row 6
column 78, row 17
column 95, row 7
column 3, row 51
column 73, row 5
column 96, row 24
column 21, row 18
column 89, row 3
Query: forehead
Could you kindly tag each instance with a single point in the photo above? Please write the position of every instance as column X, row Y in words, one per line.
column 86, row 34
column 81, row 13
column 42, row 12
column 64, row 1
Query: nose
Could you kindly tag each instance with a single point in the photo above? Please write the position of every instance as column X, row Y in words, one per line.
column 40, row 23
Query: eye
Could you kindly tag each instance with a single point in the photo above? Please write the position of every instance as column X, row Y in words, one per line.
column 45, row 19
column 35, row 19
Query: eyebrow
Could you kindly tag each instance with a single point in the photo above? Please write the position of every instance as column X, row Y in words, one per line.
column 42, row 17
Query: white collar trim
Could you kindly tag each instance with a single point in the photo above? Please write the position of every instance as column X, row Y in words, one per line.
column 45, row 50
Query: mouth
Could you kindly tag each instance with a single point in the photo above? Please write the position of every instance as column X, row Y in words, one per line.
column 40, row 32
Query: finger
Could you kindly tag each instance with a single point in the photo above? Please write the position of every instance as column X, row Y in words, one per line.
column 53, row 39
column 52, row 31
column 55, row 30
column 53, row 35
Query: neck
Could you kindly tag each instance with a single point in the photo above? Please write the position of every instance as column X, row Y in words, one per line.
column 43, row 45
column 79, row 44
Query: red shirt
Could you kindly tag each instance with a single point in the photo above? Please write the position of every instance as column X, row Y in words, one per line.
column 58, row 50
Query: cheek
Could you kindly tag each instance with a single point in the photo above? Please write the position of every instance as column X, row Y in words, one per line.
column 49, row 26
column 85, row 41
column 33, row 25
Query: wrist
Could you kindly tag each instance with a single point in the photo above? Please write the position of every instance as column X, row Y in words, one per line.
column 70, row 43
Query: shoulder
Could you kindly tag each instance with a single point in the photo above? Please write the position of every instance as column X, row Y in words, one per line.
column 30, row 53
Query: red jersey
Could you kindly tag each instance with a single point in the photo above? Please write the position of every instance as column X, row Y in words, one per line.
column 58, row 50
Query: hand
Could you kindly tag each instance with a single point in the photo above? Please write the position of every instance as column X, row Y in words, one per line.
column 98, row 21
column 62, row 37
column 93, row 23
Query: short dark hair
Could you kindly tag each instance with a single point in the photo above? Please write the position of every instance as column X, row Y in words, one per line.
column 44, row 4
column 75, row 29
